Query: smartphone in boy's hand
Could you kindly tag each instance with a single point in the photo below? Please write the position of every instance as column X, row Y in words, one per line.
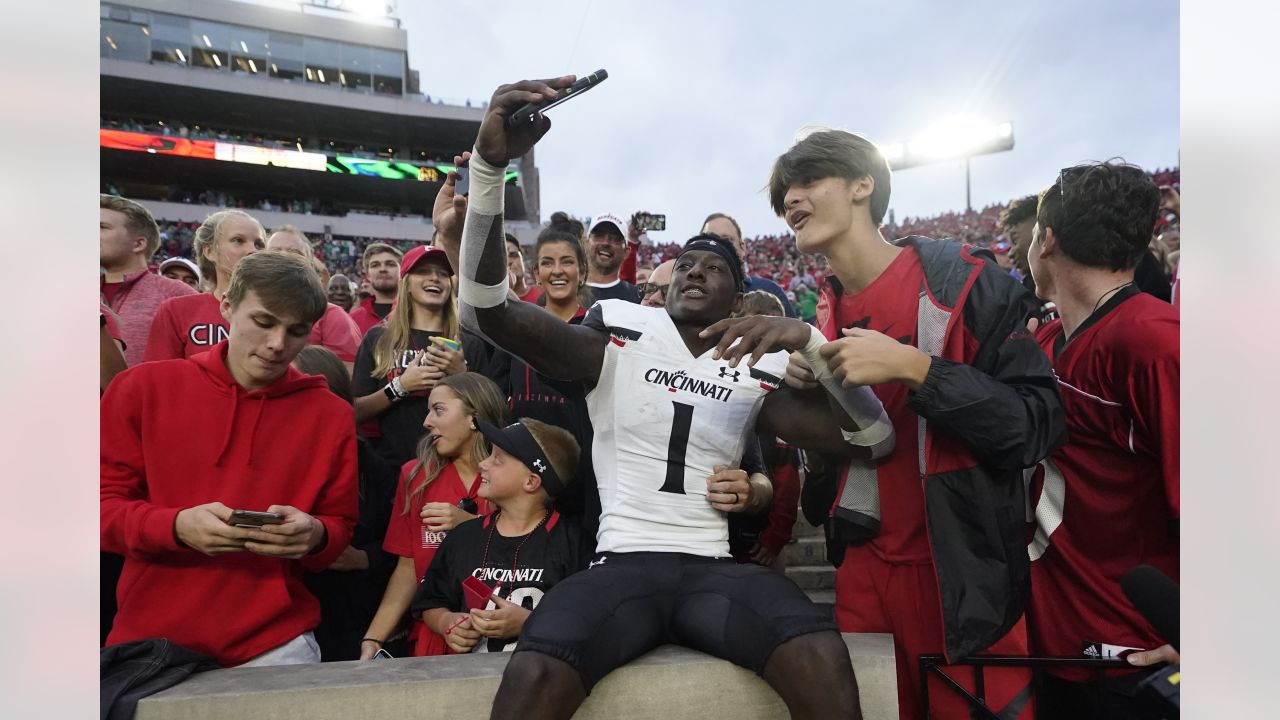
column 252, row 519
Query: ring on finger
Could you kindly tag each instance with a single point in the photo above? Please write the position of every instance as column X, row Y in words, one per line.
column 735, row 499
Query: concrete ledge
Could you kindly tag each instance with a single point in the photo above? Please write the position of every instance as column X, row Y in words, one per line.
column 670, row 683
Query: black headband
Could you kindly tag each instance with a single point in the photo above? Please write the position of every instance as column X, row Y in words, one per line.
column 721, row 247
column 520, row 444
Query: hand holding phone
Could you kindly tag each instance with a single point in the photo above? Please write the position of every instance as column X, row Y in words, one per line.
column 252, row 519
column 530, row 111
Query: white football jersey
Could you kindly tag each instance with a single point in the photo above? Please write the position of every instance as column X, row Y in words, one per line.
column 663, row 420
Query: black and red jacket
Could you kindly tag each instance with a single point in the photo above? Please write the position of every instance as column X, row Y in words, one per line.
column 989, row 407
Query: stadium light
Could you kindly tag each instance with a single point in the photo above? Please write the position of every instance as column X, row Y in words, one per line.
column 954, row 138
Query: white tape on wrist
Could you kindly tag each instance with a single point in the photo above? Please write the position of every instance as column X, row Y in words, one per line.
column 485, row 194
column 482, row 296
column 862, row 405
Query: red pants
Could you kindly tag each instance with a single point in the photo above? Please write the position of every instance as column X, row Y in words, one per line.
column 878, row 597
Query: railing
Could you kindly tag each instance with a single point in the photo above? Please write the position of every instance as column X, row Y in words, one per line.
column 935, row 665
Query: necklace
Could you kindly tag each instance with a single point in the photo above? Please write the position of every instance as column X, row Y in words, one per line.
column 515, row 560
column 1105, row 294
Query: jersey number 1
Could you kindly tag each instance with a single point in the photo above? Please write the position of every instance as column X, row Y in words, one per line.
column 680, row 427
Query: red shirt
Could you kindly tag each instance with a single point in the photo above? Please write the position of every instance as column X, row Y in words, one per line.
column 290, row 443
column 110, row 290
column 135, row 301
column 184, row 326
column 337, row 331
column 889, row 305
column 532, row 296
column 408, row 536
column 364, row 316
column 1112, row 501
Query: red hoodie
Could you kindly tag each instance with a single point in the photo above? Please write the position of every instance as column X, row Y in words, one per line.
column 181, row 433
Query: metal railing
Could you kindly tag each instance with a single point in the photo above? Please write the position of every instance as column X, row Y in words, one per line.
column 935, row 665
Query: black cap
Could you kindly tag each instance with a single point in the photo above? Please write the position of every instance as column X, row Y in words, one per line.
column 519, row 443
column 722, row 247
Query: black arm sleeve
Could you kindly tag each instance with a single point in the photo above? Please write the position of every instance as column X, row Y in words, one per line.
column 1004, row 407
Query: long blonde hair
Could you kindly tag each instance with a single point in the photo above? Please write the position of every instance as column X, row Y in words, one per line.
column 395, row 338
column 482, row 399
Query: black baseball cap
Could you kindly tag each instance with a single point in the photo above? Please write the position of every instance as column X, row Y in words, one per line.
column 519, row 443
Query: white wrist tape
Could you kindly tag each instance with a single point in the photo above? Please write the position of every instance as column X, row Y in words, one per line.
column 485, row 191
column 860, row 402
column 484, row 207
column 482, row 296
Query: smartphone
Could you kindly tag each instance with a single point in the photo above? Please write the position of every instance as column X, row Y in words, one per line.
column 648, row 221
column 252, row 519
column 382, row 654
column 530, row 111
column 451, row 344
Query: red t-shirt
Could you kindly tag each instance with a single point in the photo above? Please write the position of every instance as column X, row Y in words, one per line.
column 184, row 326
column 110, row 290
column 1112, row 499
column 532, row 296
column 408, row 536
column 889, row 305
column 337, row 331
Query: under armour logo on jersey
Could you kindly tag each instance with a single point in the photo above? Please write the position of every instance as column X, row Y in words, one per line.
column 597, row 562
column 539, row 465
column 726, row 372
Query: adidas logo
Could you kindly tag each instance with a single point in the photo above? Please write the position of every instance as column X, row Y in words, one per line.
column 1092, row 651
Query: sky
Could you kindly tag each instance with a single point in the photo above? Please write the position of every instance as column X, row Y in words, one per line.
column 702, row 97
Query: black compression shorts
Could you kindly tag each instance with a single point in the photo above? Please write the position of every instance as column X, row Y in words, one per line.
column 626, row 604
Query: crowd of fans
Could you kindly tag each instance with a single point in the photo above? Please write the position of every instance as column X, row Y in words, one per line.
column 389, row 448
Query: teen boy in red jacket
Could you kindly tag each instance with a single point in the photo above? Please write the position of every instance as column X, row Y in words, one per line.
column 935, row 549
column 185, row 442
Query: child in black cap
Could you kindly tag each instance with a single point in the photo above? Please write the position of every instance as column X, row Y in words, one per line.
column 518, row 552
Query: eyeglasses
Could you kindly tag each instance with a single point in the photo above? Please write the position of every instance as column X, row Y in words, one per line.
column 649, row 288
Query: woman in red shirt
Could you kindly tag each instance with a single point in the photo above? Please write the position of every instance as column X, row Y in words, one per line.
column 436, row 493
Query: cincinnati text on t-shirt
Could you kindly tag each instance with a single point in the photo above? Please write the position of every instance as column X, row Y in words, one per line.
column 507, row 576
column 680, row 380
column 207, row 334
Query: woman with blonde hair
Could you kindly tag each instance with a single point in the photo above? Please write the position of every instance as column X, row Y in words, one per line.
column 437, row 492
column 402, row 359
column 184, row 326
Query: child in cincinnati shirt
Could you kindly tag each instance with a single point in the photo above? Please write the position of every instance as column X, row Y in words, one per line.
column 517, row 553
column 437, row 492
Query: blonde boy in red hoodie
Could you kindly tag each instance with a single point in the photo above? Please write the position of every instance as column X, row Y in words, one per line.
column 187, row 442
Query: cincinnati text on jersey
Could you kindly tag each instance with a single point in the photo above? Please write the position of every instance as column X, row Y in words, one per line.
column 506, row 576
column 680, row 380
